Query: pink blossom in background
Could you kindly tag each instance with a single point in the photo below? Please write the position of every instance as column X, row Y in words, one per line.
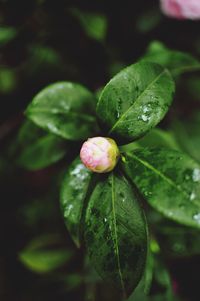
column 99, row 154
column 181, row 9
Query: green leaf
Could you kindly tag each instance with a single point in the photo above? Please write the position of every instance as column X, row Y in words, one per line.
column 135, row 100
column 115, row 233
column 46, row 151
column 7, row 34
column 148, row 274
column 148, row 20
column 176, row 61
column 155, row 138
column 145, row 283
column 29, row 132
column 73, row 192
column 177, row 241
column 162, row 282
column 40, row 259
column 188, row 135
column 169, row 181
column 43, row 261
column 8, row 80
column 159, row 138
column 65, row 109
column 193, row 87
column 38, row 149
column 95, row 25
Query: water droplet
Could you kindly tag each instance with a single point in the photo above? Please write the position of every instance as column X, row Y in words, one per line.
column 196, row 175
column 68, row 210
column 146, row 109
column 79, row 172
column 64, row 105
column 192, row 196
column 51, row 127
column 119, row 107
column 196, row 217
column 144, row 117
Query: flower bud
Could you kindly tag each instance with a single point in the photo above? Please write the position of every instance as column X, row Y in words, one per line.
column 99, row 154
column 181, row 9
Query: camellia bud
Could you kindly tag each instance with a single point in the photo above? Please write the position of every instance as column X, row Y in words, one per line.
column 99, row 154
column 181, row 9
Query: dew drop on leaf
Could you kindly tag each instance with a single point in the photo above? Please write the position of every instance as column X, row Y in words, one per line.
column 192, row 196
column 196, row 175
column 196, row 217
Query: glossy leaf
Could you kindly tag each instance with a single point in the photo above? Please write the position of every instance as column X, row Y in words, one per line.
column 169, row 181
column 74, row 189
column 135, row 100
column 65, row 109
column 115, row 233
column 38, row 149
column 176, row 61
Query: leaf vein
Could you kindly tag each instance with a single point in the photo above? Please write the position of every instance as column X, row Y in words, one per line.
column 115, row 234
column 82, row 115
column 159, row 173
column 146, row 89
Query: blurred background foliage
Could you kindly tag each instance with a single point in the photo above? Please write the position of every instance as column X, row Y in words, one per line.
column 44, row 41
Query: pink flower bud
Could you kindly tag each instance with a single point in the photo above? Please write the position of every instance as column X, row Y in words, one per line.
column 99, row 154
column 181, row 9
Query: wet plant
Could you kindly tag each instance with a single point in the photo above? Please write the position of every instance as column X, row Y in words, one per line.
column 107, row 212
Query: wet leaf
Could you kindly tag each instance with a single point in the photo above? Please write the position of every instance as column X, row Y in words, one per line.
column 65, row 109
column 38, row 149
column 73, row 192
column 135, row 100
column 169, row 181
column 115, row 233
